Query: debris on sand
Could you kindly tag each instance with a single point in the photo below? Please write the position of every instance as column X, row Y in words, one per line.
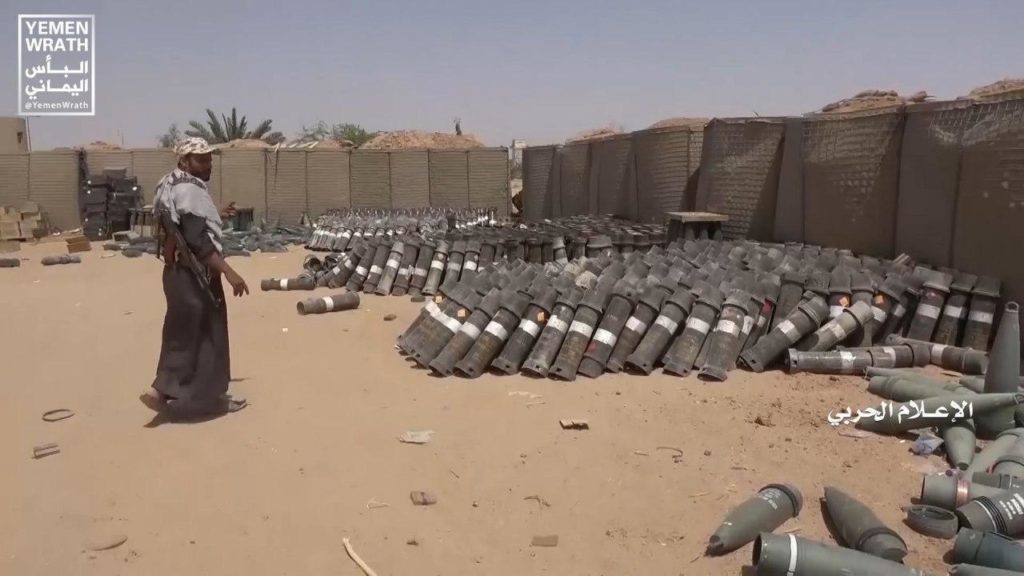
column 97, row 543
column 549, row 541
column 570, row 424
column 100, row 145
column 415, row 139
column 596, row 134
column 244, row 144
column 421, row 498
column 1002, row 88
column 681, row 122
column 873, row 100
column 416, row 436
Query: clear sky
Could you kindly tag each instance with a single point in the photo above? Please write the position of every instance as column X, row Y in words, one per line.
column 537, row 70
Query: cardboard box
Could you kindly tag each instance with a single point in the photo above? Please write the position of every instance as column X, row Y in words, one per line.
column 78, row 244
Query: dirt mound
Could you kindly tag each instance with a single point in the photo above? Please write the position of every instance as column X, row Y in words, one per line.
column 596, row 134
column 997, row 89
column 415, row 139
column 872, row 100
column 332, row 144
column 696, row 123
column 244, row 143
column 101, row 145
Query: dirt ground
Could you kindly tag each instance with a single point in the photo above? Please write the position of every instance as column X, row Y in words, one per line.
column 274, row 489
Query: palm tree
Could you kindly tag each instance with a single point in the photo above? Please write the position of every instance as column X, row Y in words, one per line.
column 169, row 138
column 353, row 133
column 219, row 131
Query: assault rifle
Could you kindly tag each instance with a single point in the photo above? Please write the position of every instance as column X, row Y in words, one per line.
column 185, row 253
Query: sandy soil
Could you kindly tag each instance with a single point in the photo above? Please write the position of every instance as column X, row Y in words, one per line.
column 274, row 489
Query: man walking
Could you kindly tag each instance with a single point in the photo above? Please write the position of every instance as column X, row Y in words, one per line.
column 194, row 369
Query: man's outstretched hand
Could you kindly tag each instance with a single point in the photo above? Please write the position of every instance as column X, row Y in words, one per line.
column 229, row 211
column 238, row 285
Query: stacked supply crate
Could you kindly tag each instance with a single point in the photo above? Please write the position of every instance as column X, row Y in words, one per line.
column 23, row 222
column 106, row 200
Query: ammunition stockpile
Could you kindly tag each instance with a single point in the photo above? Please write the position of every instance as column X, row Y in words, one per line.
column 698, row 305
column 585, row 295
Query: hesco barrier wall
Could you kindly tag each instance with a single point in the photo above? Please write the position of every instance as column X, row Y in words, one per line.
column 740, row 174
column 941, row 181
column 638, row 176
column 279, row 184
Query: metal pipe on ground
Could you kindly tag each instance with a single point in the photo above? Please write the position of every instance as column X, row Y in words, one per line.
column 495, row 334
column 487, row 253
column 456, row 257
column 863, row 290
column 835, row 331
column 768, row 291
column 839, row 291
column 934, row 292
column 355, row 281
column 723, row 342
column 380, row 256
column 462, row 341
column 984, row 301
column 607, row 334
column 898, row 316
column 418, row 275
column 895, row 356
column 339, row 274
column 697, row 315
column 963, row 360
column 804, row 320
column 887, row 295
column 649, row 303
column 831, row 362
column 790, row 295
column 305, row 282
column 659, row 333
column 950, row 325
column 406, row 266
column 325, row 304
column 440, row 325
column 522, row 340
column 551, row 337
column 394, row 260
column 588, row 314
column 437, row 268
column 471, row 260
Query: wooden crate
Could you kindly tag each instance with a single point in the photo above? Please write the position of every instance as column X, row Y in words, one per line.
column 78, row 244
